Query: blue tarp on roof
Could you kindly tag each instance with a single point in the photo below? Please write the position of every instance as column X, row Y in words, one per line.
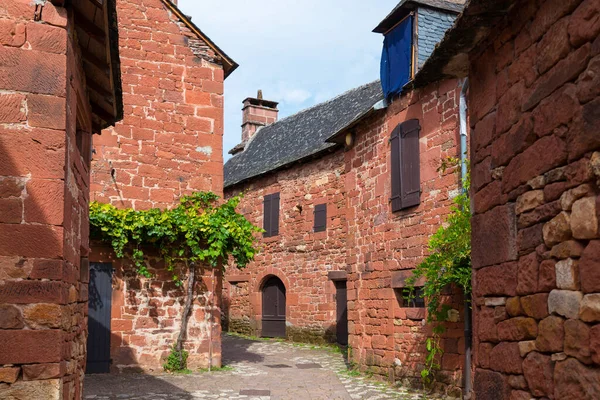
column 396, row 58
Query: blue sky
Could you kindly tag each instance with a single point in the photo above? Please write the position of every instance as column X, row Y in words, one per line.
column 299, row 53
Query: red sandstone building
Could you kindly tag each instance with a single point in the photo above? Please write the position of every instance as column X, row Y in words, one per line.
column 60, row 81
column 169, row 144
column 348, row 193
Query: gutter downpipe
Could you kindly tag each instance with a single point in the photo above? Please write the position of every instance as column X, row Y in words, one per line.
column 467, row 385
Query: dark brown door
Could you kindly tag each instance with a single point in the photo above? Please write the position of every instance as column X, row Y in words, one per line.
column 341, row 302
column 100, row 294
column 273, row 309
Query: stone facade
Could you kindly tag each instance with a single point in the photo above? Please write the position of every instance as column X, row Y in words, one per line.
column 169, row 144
column 298, row 256
column 385, row 337
column 534, row 110
column 46, row 121
column 363, row 238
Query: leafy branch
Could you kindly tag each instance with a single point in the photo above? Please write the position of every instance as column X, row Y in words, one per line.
column 197, row 232
column 448, row 264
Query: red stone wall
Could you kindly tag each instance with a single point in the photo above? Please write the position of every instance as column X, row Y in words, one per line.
column 44, row 192
column 363, row 238
column 298, row 256
column 386, row 338
column 168, row 144
column 146, row 316
column 170, row 140
column 534, row 108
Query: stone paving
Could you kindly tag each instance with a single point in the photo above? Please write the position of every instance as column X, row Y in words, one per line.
column 264, row 370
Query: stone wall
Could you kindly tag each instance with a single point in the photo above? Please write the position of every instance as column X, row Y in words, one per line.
column 534, row 110
column 170, row 140
column 387, row 338
column 168, row 144
column 298, row 256
column 146, row 315
column 44, row 193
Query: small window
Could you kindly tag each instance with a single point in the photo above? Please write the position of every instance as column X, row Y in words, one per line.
column 320, row 218
column 271, row 215
column 413, row 298
column 405, row 165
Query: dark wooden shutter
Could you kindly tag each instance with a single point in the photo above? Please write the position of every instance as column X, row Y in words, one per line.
column 267, row 216
column 410, row 166
column 395, row 171
column 405, row 165
column 320, row 217
column 274, row 214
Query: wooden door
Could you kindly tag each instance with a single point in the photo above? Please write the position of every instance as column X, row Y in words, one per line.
column 100, row 294
column 341, row 302
column 273, row 308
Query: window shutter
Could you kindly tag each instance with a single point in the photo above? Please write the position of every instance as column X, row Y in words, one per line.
column 395, row 169
column 274, row 214
column 410, row 166
column 267, row 216
column 320, row 217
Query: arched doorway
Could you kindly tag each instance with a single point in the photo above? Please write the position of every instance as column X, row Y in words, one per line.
column 273, row 308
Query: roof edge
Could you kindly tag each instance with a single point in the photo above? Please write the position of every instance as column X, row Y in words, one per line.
column 328, row 150
column 406, row 6
column 229, row 65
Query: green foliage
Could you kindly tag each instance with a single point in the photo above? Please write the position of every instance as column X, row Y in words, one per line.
column 448, row 264
column 176, row 361
column 198, row 230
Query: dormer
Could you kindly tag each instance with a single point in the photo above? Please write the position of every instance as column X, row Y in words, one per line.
column 411, row 32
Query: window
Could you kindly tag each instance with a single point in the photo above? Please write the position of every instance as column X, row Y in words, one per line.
column 320, row 217
column 271, row 215
column 413, row 299
column 396, row 58
column 405, row 165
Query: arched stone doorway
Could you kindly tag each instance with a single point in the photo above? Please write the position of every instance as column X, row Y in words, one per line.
column 273, row 308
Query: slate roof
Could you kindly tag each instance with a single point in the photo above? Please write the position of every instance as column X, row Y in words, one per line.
column 301, row 135
column 400, row 10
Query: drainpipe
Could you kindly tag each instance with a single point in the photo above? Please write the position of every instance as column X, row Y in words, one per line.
column 467, row 387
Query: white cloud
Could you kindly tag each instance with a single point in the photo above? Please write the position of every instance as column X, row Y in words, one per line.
column 298, row 52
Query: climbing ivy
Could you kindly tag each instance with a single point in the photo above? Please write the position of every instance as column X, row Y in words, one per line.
column 199, row 231
column 448, row 264
column 196, row 231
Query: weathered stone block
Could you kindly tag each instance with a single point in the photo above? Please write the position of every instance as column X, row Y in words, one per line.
column 28, row 346
column 577, row 340
column 519, row 328
column 513, row 307
column 570, row 248
column 10, row 317
column 43, row 371
column 498, row 280
column 526, row 347
column 595, row 343
column 573, row 380
column 491, row 385
column 567, row 274
column 494, row 236
column 8, row 375
column 547, row 276
column 550, row 334
column 589, row 272
column 529, row 200
column 43, row 316
column 536, row 305
column 565, row 303
column 590, row 308
column 570, row 196
column 538, row 370
column 506, row 357
column 557, row 230
column 584, row 220
column 527, row 274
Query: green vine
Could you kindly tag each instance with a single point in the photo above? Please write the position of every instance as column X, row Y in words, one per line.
column 196, row 231
column 199, row 231
column 448, row 264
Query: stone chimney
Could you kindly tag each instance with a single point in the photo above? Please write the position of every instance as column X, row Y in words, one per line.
column 257, row 113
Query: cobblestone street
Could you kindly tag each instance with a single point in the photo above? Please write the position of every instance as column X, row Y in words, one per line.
column 259, row 370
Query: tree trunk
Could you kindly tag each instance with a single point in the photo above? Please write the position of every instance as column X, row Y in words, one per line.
column 186, row 311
